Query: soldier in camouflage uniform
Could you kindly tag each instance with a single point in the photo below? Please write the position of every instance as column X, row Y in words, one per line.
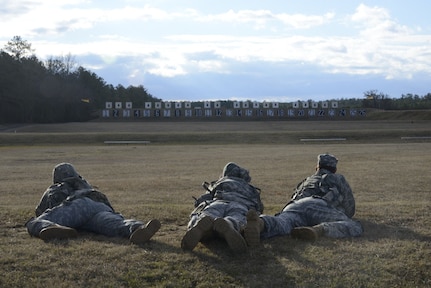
column 72, row 203
column 322, row 205
column 222, row 210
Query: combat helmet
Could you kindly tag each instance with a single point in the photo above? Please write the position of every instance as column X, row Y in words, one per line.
column 64, row 171
column 231, row 169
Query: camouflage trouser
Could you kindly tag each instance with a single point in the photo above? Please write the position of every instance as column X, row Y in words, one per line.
column 85, row 214
column 234, row 212
column 309, row 212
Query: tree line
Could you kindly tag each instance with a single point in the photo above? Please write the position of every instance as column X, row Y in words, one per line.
column 58, row 90
column 379, row 100
column 55, row 90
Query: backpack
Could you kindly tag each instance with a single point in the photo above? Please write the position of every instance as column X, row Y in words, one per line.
column 313, row 185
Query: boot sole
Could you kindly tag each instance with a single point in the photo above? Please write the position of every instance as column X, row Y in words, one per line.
column 235, row 241
column 304, row 233
column 252, row 230
column 144, row 234
column 57, row 233
column 252, row 234
column 194, row 235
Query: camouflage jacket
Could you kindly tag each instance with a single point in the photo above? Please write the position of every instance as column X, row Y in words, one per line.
column 331, row 187
column 68, row 190
column 233, row 189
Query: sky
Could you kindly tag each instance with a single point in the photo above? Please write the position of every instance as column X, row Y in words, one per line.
column 272, row 50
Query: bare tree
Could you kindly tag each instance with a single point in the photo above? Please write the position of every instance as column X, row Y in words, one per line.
column 61, row 65
column 377, row 99
column 18, row 48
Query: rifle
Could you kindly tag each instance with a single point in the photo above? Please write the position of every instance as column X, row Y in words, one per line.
column 208, row 196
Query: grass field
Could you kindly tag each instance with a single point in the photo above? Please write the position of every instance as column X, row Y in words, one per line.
column 389, row 176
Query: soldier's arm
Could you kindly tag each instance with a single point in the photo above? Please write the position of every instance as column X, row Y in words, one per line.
column 53, row 196
column 43, row 203
column 349, row 200
column 203, row 198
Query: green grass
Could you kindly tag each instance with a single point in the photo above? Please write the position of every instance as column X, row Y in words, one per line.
column 389, row 178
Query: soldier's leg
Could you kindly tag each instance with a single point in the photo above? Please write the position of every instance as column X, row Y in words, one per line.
column 201, row 229
column 57, row 232
column 111, row 224
column 200, row 226
column 230, row 226
column 341, row 229
column 145, row 232
column 282, row 224
column 308, row 233
column 329, row 221
column 225, row 228
column 237, row 214
column 71, row 214
column 253, row 228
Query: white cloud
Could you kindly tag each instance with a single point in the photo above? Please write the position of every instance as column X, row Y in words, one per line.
column 55, row 17
column 165, row 43
column 377, row 22
column 301, row 21
column 243, row 16
column 208, row 65
column 260, row 18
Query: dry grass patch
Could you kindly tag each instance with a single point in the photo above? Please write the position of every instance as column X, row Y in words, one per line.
column 389, row 180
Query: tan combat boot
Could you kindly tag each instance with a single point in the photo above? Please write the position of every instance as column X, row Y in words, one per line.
column 144, row 233
column 57, row 232
column 233, row 238
column 254, row 227
column 308, row 233
column 195, row 234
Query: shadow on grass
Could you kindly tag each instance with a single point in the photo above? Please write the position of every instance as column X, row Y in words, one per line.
column 269, row 260
column 273, row 261
column 375, row 231
column 254, row 268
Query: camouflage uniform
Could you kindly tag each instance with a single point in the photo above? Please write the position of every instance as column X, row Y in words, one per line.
column 229, row 197
column 224, row 209
column 72, row 202
column 323, row 199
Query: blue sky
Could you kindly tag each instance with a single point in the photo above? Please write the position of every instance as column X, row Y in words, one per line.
column 270, row 50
